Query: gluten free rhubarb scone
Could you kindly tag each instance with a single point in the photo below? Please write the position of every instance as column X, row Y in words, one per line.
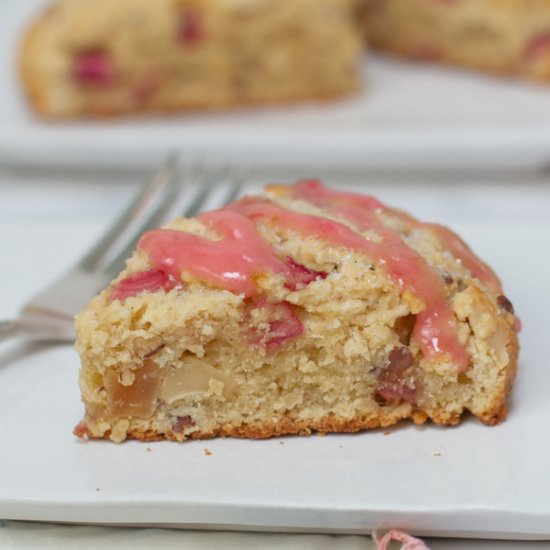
column 301, row 310
column 501, row 36
column 99, row 57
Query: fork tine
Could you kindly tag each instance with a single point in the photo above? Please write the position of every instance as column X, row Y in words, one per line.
column 236, row 185
column 232, row 178
column 49, row 315
column 203, row 188
column 145, row 211
column 201, row 185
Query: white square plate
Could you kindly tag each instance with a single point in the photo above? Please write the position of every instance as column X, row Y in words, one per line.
column 467, row 481
column 408, row 114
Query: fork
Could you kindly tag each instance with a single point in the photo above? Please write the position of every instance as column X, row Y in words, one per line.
column 49, row 315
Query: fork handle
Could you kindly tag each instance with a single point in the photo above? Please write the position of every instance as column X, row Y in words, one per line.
column 9, row 329
column 38, row 329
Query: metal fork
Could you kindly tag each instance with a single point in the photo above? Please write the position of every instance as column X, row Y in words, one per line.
column 49, row 315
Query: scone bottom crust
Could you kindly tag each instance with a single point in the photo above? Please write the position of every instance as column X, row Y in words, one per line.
column 305, row 309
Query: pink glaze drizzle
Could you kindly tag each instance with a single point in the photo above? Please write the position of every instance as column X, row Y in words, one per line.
column 315, row 192
column 361, row 210
column 435, row 327
column 232, row 262
column 241, row 255
column 462, row 251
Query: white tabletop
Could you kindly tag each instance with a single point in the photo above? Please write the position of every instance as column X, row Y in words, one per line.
column 39, row 208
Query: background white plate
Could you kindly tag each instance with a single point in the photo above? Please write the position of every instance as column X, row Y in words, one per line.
column 408, row 115
column 466, row 481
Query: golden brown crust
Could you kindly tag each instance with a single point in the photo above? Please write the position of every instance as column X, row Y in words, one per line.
column 39, row 105
column 328, row 424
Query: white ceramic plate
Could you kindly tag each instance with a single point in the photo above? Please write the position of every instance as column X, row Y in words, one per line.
column 408, row 115
column 466, row 481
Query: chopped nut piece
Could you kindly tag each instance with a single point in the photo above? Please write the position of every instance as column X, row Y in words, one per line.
column 505, row 304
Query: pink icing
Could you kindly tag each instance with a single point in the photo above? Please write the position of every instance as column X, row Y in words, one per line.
column 146, row 281
column 239, row 255
column 361, row 210
column 435, row 327
column 283, row 325
column 469, row 260
column 315, row 192
column 94, row 67
column 232, row 262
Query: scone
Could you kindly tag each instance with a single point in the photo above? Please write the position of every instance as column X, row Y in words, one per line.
column 98, row 57
column 302, row 310
column 499, row 36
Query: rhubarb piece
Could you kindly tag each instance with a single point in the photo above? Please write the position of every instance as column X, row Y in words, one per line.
column 272, row 325
column 394, row 385
column 302, row 275
column 94, row 68
column 145, row 281
column 538, row 46
column 191, row 30
column 300, row 310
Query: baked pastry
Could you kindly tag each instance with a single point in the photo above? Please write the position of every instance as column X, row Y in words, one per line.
column 499, row 36
column 304, row 309
column 97, row 57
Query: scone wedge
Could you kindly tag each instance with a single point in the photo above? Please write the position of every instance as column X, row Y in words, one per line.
column 509, row 37
column 304, row 309
column 103, row 58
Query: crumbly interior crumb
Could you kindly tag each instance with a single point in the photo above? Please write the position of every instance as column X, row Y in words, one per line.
column 181, row 364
